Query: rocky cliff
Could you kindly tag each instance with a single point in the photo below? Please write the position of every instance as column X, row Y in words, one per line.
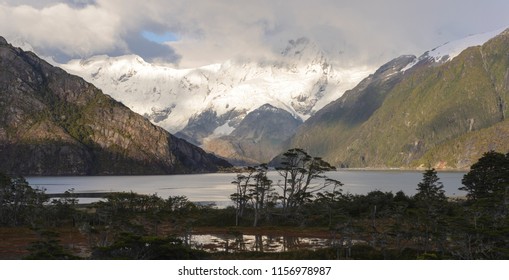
column 54, row 123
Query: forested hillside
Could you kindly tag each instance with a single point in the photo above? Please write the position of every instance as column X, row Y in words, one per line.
column 401, row 115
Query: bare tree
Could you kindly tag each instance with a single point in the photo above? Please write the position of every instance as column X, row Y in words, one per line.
column 241, row 196
column 260, row 191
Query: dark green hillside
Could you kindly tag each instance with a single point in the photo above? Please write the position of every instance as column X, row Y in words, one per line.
column 422, row 109
column 53, row 123
column 461, row 151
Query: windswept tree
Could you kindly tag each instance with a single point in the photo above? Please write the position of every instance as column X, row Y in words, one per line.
column 254, row 190
column 260, row 192
column 302, row 176
column 241, row 195
column 300, row 171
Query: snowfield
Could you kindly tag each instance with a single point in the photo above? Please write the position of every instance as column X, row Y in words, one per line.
column 301, row 82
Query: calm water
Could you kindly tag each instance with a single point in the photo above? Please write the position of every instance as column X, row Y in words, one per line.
column 257, row 243
column 217, row 187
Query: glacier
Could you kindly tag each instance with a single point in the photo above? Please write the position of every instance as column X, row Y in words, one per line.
column 301, row 81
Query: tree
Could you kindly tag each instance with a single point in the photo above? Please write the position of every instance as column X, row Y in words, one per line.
column 241, row 197
column 20, row 204
column 64, row 208
column 488, row 178
column 129, row 211
column 254, row 189
column 260, row 191
column 487, row 187
column 331, row 199
column 48, row 247
column 430, row 189
column 179, row 205
column 299, row 170
column 430, row 202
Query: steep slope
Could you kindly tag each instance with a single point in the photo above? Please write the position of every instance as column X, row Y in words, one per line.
column 337, row 122
column 53, row 123
column 462, row 151
column 259, row 137
column 433, row 102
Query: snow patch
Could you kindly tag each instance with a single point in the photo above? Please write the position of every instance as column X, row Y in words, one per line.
column 452, row 49
column 299, row 88
column 223, row 130
column 301, row 81
column 410, row 65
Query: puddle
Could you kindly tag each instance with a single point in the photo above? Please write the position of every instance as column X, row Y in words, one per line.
column 259, row 243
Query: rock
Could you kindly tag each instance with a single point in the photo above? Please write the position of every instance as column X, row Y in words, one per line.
column 54, row 123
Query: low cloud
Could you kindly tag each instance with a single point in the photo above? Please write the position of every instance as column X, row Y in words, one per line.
column 152, row 51
column 73, row 32
column 358, row 32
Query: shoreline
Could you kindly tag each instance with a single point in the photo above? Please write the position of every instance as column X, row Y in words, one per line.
column 368, row 169
column 459, row 170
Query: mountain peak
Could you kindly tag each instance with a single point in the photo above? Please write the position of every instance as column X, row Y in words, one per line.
column 268, row 107
column 295, row 47
column 130, row 59
column 395, row 65
column 304, row 50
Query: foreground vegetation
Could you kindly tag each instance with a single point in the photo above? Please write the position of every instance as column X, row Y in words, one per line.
column 378, row 225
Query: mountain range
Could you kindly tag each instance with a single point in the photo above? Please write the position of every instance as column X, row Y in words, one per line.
column 443, row 109
column 55, row 123
column 207, row 104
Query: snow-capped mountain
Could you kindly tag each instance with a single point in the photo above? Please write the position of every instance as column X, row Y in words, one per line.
column 450, row 50
column 210, row 102
column 443, row 109
column 301, row 81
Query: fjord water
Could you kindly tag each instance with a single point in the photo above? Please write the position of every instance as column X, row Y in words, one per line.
column 217, row 187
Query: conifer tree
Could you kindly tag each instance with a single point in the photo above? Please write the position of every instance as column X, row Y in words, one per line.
column 431, row 201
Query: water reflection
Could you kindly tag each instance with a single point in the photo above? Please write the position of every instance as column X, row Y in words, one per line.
column 254, row 243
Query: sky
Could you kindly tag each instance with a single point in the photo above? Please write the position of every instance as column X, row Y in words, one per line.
column 194, row 33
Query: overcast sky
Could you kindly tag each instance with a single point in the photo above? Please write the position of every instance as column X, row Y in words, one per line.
column 192, row 32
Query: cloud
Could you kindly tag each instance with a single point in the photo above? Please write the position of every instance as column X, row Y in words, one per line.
column 355, row 32
column 39, row 4
column 152, row 51
column 75, row 32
